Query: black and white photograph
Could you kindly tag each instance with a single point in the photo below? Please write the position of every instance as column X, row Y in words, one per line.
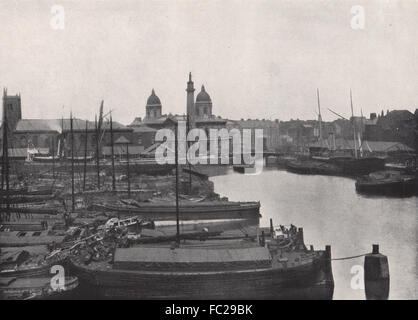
column 209, row 151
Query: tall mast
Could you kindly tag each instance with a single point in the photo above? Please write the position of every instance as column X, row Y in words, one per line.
column 113, row 154
column 5, row 164
column 62, row 138
column 177, row 183
column 127, row 169
column 53, row 157
column 85, row 157
column 190, row 167
column 319, row 117
column 97, row 153
column 354, row 125
column 2, row 146
column 72, row 163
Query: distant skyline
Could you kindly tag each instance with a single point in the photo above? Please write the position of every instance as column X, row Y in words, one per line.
column 257, row 59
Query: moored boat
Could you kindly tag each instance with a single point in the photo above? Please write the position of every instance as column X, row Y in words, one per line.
column 358, row 166
column 189, row 210
column 388, row 183
column 34, row 288
column 275, row 269
column 313, row 167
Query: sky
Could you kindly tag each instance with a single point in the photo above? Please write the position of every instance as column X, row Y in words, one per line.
column 257, row 59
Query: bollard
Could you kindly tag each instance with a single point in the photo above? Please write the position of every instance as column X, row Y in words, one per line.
column 327, row 258
column 301, row 243
column 327, row 269
column 376, row 275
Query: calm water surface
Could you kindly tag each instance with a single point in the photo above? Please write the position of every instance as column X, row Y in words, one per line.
column 331, row 212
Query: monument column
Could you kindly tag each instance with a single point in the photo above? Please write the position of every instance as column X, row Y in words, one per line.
column 190, row 102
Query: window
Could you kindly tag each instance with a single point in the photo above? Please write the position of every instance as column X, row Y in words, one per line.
column 23, row 142
column 36, row 234
column 21, row 234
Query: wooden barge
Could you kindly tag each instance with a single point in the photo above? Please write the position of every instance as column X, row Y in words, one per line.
column 136, row 167
column 189, row 211
column 211, row 271
column 337, row 166
column 33, row 288
column 313, row 167
column 388, row 183
column 358, row 166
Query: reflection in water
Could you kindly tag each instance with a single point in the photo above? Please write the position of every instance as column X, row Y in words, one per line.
column 331, row 212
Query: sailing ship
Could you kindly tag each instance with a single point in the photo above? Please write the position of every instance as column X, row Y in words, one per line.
column 331, row 164
column 357, row 165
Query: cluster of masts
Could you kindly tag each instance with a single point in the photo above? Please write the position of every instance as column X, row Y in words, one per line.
column 98, row 127
column 356, row 135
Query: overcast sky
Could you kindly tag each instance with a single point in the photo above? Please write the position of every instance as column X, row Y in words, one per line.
column 257, row 59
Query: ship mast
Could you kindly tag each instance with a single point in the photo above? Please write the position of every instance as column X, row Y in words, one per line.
column 113, row 154
column 177, row 183
column 127, row 170
column 72, row 163
column 97, row 153
column 85, row 159
column 190, row 167
column 354, row 125
column 319, row 117
column 5, row 161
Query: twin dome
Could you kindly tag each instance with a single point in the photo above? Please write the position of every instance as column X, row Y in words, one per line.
column 202, row 96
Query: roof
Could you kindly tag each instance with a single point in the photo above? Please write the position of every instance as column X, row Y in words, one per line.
column 151, row 149
column 144, row 129
column 34, row 125
column 155, row 258
column 122, row 140
column 121, row 150
column 57, row 125
column 203, row 96
column 23, row 152
column 153, row 99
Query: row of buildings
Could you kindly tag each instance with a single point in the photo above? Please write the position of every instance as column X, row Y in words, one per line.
column 47, row 136
column 396, row 128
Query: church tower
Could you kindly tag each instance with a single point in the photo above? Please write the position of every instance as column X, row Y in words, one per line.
column 153, row 107
column 13, row 109
column 190, row 102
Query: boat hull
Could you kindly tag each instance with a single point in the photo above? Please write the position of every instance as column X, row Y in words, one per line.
column 313, row 167
column 395, row 188
column 360, row 166
column 303, row 282
column 196, row 211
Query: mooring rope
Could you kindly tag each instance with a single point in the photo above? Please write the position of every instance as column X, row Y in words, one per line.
column 347, row 258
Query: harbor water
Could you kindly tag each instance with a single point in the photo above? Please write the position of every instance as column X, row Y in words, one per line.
column 331, row 212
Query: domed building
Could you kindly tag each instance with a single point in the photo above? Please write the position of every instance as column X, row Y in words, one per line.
column 203, row 105
column 153, row 107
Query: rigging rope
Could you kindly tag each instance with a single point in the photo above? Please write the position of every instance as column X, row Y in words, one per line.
column 347, row 258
